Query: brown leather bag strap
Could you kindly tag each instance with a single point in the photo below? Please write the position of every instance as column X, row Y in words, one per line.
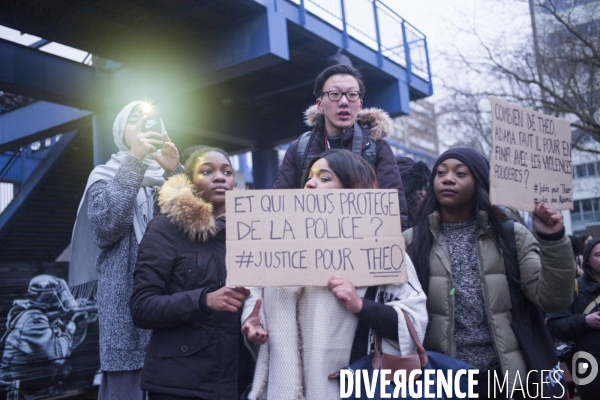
column 413, row 334
column 378, row 355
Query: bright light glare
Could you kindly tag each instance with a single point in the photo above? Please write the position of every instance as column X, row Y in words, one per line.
column 146, row 107
column 65, row 51
column 16, row 36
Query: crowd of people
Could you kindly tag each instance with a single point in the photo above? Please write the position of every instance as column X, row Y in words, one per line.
column 169, row 326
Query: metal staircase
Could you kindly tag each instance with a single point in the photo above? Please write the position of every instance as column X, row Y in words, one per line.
column 37, row 224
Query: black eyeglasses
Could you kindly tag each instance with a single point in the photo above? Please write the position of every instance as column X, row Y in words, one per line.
column 335, row 95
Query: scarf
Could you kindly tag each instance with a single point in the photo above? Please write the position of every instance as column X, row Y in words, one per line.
column 82, row 269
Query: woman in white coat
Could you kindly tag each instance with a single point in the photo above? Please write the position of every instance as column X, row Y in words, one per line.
column 307, row 333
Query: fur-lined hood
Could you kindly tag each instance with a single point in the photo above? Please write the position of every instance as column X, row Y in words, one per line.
column 379, row 120
column 181, row 203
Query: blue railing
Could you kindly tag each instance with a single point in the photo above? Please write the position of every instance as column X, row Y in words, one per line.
column 377, row 26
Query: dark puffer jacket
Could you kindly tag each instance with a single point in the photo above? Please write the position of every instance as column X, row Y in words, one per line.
column 193, row 351
column 570, row 324
column 376, row 124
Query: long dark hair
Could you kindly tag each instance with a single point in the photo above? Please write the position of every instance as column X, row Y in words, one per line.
column 419, row 249
column 353, row 171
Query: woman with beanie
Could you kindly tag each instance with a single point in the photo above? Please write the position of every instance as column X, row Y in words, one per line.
column 459, row 248
column 113, row 215
column 581, row 321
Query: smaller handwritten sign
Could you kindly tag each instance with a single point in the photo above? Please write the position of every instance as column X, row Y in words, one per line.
column 302, row 237
column 531, row 158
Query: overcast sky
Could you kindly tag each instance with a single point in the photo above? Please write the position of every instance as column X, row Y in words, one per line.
column 445, row 23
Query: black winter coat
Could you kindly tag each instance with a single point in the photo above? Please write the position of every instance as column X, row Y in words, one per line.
column 193, row 351
column 570, row 325
column 376, row 125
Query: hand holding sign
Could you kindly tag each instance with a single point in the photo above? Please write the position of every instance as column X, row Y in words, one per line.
column 547, row 220
column 252, row 327
column 345, row 292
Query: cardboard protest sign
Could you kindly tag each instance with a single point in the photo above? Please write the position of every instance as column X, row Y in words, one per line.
column 303, row 237
column 531, row 158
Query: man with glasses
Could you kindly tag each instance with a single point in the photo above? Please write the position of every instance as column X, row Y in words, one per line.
column 339, row 122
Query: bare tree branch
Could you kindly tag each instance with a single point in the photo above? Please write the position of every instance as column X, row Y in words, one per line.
column 569, row 60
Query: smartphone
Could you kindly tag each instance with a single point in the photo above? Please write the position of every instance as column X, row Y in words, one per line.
column 153, row 121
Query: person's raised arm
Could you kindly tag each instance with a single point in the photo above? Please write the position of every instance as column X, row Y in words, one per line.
column 547, row 266
column 111, row 202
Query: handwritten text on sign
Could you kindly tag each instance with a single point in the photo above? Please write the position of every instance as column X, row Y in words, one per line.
column 531, row 158
column 303, row 237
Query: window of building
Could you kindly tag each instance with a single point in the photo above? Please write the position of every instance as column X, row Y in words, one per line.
column 585, row 211
column 592, row 169
column 580, row 171
column 587, row 205
column 586, row 170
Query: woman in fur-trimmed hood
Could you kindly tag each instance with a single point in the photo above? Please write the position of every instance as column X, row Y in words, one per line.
column 338, row 121
column 179, row 289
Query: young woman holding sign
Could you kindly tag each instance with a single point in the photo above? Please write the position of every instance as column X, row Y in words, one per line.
column 459, row 247
column 179, row 289
column 314, row 331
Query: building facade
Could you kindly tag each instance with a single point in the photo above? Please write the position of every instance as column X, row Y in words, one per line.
column 415, row 135
column 566, row 69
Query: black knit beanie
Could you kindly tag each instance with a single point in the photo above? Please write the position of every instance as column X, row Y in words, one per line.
column 588, row 250
column 477, row 163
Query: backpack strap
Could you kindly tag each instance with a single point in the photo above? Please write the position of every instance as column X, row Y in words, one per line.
column 304, row 142
column 357, row 139
column 529, row 326
column 512, row 268
column 370, row 151
column 591, row 306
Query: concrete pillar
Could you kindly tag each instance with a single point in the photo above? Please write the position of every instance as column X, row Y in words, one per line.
column 265, row 164
column 104, row 143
